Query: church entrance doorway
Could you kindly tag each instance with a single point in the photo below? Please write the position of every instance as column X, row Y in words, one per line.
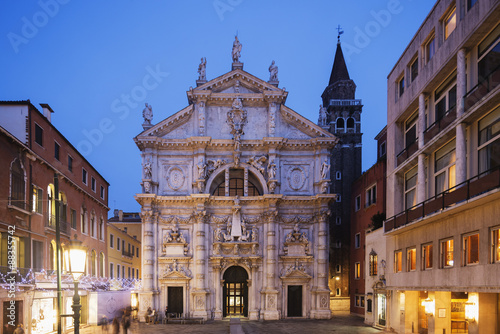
column 294, row 301
column 235, row 292
column 175, row 300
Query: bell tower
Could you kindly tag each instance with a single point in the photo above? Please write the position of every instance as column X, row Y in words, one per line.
column 340, row 114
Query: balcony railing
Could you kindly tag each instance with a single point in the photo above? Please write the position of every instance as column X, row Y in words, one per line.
column 126, row 253
column 440, row 124
column 19, row 203
column 471, row 188
column 21, row 275
column 407, row 152
column 345, row 102
column 50, row 222
column 483, row 88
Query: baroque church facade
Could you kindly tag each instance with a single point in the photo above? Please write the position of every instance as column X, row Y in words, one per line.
column 235, row 204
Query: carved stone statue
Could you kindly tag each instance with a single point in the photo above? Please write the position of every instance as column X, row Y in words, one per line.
column 148, row 170
column 325, row 167
column 271, row 170
column 273, row 72
column 236, row 50
column 218, row 234
column 255, row 234
column 322, row 116
column 202, row 69
column 201, row 169
column 147, row 113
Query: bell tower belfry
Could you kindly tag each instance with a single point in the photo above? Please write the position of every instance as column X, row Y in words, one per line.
column 340, row 114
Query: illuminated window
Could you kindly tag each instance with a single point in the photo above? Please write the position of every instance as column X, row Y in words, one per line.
column 373, row 263
column 427, row 256
column 450, row 22
column 411, row 259
column 447, row 253
column 398, row 261
column 495, row 245
column 357, row 270
column 37, row 200
column 471, row 249
column 444, row 167
column 411, row 187
column 489, row 141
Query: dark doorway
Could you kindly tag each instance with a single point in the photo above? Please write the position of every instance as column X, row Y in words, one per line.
column 9, row 325
column 175, row 301
column 235, row 292
column 295, row 300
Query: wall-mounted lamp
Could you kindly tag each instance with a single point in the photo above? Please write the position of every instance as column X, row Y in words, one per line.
column 429, row 306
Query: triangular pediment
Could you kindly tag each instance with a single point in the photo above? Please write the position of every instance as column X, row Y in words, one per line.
column 296, row 273
column 176, row 121
column 246, row 80
column 175, row 275
column 300, row 127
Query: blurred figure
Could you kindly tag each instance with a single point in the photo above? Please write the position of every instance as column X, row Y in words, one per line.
column 116, row 326
column 19, row 329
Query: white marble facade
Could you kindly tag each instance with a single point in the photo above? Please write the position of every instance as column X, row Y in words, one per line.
column 233, row 189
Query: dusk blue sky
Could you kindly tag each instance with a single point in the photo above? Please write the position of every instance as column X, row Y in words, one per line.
column 84, row 57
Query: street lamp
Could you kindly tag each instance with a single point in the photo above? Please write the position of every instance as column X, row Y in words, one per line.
column 75, row 263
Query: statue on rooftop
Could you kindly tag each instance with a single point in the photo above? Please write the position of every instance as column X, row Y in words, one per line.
column 236, row 50
column 202, row 69
column 147, row 113
column 273, row 71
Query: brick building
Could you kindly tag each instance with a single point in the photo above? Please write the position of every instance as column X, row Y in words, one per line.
column 42, row 174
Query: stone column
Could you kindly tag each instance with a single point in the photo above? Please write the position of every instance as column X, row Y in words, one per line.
column 200, row 107
column 461, row 150
column 270, row 291
column 421, row 178
column 253, row 313
column 272, row 119
column 218, row 291
column 321, row 292
column 148, row 263
column 200, row 291
column 421, row 120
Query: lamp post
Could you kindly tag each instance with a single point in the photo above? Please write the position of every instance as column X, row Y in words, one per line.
column 76, row 266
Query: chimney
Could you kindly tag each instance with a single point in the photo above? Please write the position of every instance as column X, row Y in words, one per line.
column 115, row 212
column 120, row 215
column 47, row 111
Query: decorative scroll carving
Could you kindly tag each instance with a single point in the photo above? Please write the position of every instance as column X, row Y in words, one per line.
column 175, row 219
column 296, row 219
column 297, row 242
column 258, row 162
column 296, row 178
column 213, row 165
column 237, row 118
column 175, row 237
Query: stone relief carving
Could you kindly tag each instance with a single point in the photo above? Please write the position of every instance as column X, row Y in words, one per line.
column 296, row 235
column 285, row 271
column 272, row 119
column 174, row 236
column 175, row 267
column 147, row 187
column 213, row 165
column 296, row 239
column 271, row 170
column 175, row 178
column 237, row 118
column 201, row 166
column 258, row 162
column 296, row 178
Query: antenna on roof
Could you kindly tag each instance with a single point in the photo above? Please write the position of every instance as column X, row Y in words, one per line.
column 339, row 29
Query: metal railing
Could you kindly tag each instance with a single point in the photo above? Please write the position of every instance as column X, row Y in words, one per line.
column 440, row 124
column 50, row 222
column 335, row 102
column 21, row 275
column 481, row 89
column 464, row 191
column 407, row 152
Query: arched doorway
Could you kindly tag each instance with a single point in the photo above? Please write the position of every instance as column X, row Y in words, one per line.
column 235, row 292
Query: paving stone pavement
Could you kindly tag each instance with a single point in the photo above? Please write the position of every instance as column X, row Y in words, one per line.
column 343, row 323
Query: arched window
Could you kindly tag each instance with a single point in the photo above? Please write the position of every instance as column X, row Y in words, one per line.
column 92, row 225
column 350, row 123
column 101, row 229
column 93, row 264
column 340, row 124
column 17, row 185
column 51, row 206
column 52, row 255
column 236, row 184
column 63, row 208
column 101, row 265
